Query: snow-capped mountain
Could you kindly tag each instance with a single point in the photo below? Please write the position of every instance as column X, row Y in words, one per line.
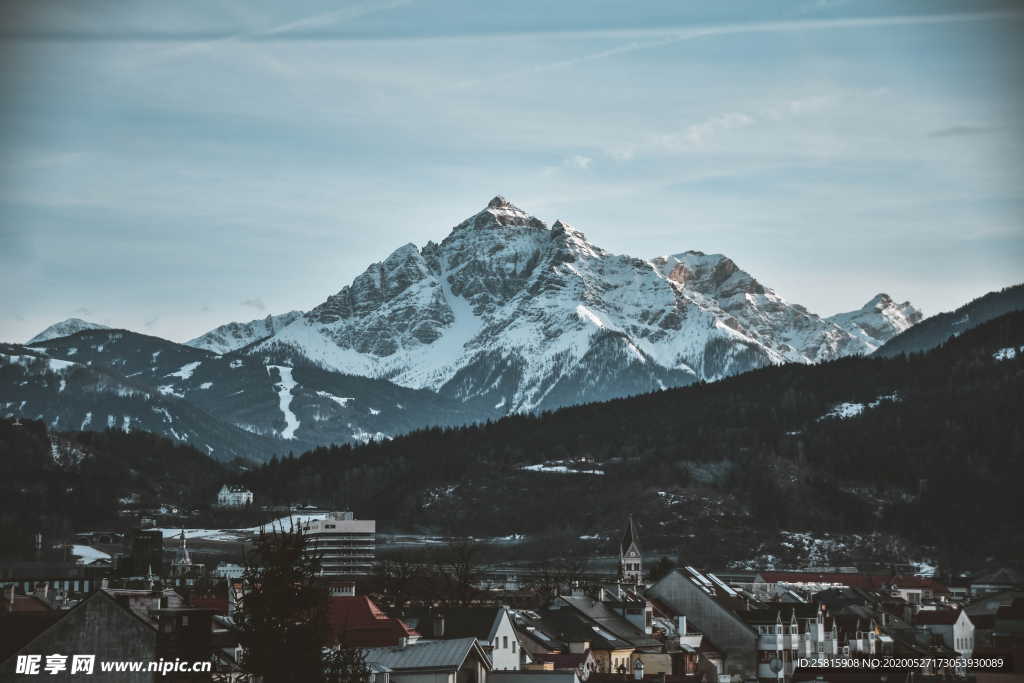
column 878, row 321
column 226, row 405
column 935, row 330
column 233, row 336
column 513, row 315
column 78, row 396
column 64, row 328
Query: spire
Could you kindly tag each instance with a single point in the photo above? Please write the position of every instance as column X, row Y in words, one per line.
column 630, row 537
column 182, row 557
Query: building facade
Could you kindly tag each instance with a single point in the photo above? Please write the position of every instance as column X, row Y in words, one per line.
column 345, row 546
column 232, row 496
column 630, row 562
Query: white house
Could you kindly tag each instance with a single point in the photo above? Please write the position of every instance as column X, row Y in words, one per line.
column 460, row 660
column 491, row 626
column 954, row 626
column 233, row 495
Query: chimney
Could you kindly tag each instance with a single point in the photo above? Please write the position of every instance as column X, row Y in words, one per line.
column 439, row 625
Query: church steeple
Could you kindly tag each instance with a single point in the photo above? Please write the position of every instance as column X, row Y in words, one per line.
column 630, row 563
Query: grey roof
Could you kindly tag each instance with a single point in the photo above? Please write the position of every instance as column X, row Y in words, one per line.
column 435, row 654
column 612, row 622
column 459, row 622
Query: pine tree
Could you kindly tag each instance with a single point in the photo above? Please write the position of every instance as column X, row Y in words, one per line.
column 283, row 613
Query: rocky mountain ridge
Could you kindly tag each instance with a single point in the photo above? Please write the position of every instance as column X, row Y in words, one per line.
column 510, row 313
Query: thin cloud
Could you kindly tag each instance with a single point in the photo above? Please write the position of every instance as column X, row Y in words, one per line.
column 578, row 161
column 962, row 131
column 670, row 36
column 284, row 30
column 256, row 303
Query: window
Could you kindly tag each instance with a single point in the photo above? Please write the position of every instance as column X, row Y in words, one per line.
column 504, row 642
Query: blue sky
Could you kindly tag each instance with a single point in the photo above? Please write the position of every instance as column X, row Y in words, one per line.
column 168, row 167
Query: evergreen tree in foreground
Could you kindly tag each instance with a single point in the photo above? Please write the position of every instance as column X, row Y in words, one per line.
column 283, row 614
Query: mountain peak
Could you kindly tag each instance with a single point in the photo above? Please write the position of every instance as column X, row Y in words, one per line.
column 501, row 213
column 65, row 328
column 500, row 202
column 879, row 320
column 878, row 301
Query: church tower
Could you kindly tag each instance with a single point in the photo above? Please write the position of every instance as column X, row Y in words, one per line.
column 630, row 565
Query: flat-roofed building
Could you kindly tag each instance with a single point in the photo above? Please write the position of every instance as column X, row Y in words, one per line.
column 345, row 545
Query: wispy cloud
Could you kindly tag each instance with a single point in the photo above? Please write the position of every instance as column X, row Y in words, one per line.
column 962, row 131
column 305, row 24
column 578, row 161
column 256, row 303
column 663, row 37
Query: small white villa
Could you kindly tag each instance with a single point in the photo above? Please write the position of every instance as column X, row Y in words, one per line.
column 233, row 496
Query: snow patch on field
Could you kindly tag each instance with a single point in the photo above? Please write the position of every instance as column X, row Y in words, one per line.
column 86, row 554
column 342, row 401
column 168, row 390
column 1008, row 353
column 185, row 371
column 360, row 434
column 847, row 410
column 233, row 535
column 557, row 467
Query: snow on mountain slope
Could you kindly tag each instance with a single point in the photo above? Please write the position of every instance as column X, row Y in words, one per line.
column 233, row 336
column 878, row 321
column 65, row 328
column 517, row 316
column 79, row 396
column 286, row 408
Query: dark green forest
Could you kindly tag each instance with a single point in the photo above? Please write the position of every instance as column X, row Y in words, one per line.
column 938, row 462
column 710, row 470
column 76, row 480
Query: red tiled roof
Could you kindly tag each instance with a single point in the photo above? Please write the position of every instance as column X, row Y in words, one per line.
column 919, row 582
column 937, row 617
column 219, row 604
column 357, row 622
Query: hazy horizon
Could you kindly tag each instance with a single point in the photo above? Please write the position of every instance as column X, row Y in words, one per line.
column 171, row 168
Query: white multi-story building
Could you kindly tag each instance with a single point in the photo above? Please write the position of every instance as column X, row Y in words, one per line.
column 345, row 545
column 233, row 495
